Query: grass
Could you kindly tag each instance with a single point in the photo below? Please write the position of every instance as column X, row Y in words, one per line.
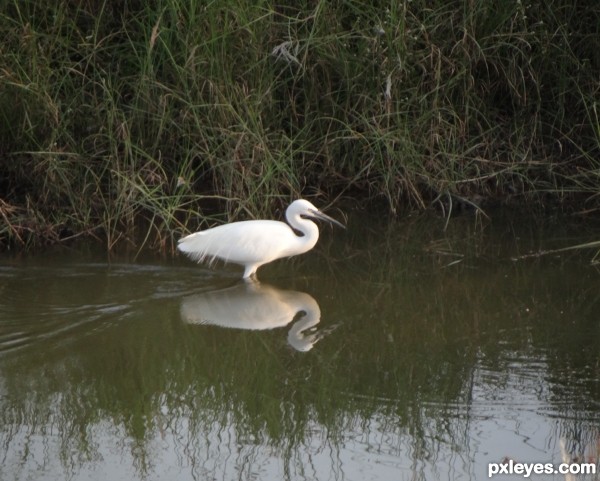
column 136, row 121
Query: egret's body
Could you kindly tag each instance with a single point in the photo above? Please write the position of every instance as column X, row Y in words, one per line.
column 253, row 243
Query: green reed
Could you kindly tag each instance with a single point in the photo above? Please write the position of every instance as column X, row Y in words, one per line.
column 138, row 121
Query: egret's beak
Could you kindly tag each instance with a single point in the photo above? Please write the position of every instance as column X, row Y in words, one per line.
column 319, row 215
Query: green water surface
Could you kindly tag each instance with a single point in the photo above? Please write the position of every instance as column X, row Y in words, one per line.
column 393, row 351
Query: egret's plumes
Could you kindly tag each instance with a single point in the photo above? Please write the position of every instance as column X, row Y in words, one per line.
column 253, row 243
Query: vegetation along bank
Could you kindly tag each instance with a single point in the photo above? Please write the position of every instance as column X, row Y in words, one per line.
column 140, row 119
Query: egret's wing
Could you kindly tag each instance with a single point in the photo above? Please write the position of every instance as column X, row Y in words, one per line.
column 255, row 241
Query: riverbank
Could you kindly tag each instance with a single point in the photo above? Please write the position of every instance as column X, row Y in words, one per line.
column 121, row 114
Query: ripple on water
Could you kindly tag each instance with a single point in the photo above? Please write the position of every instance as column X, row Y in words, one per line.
column 58, row 302
column 22, row 329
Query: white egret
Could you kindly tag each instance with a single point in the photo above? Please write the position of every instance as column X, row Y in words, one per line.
column 252, row 243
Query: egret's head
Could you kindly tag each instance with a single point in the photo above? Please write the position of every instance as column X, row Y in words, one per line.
column 304, row 208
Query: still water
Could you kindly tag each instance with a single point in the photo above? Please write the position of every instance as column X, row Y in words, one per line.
column 391, row 352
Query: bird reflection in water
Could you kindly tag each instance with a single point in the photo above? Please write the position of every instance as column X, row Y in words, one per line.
column 256, row 306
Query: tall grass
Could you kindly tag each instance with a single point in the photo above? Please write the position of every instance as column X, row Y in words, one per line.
column 139, row 120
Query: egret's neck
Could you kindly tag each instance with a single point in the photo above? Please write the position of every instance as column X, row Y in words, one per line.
column 309, row 237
